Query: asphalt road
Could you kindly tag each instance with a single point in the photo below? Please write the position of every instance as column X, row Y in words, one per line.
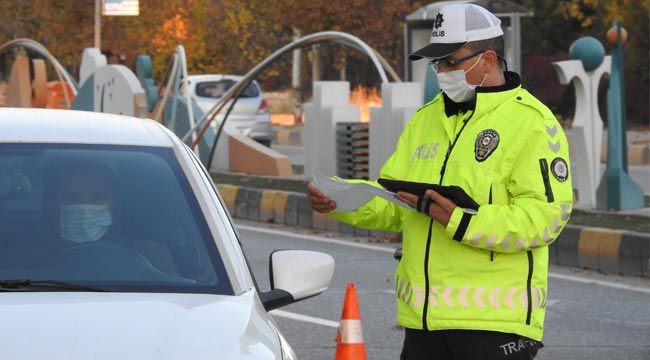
column 590, row 316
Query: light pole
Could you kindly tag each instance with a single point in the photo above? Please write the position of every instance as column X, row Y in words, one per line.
column 98, row 24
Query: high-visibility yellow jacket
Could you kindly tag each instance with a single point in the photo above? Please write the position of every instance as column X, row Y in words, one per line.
column 487, row 270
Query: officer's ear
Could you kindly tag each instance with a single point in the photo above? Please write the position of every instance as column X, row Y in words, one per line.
column 490, row 60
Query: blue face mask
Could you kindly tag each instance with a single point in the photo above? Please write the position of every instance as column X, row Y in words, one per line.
column 84, row 222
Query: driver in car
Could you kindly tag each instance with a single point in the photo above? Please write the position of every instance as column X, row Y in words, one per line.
column 85, row 201
column 80, row 203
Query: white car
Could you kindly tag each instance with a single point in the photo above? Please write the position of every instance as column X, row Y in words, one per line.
column 250, row 115
column 114, row 244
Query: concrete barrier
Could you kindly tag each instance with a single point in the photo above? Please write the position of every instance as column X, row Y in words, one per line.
column 293, row 137
column 637, row 154
column 604, row 250
column 288, row 208
column 599, row 249
column 248, row 156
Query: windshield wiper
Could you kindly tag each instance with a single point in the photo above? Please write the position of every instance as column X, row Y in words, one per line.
column 26, row 284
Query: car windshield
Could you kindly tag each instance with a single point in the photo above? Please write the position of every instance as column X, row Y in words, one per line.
column 216, row 89
column 122, row 218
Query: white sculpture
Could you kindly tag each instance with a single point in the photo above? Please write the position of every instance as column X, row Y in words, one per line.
column 585, row 138
column 118, row 91
column 91, row 60
column 330, row 105
column 399, row 102
column 112, row 89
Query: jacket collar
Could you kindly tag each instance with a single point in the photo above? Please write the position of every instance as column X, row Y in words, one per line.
column 486, row 98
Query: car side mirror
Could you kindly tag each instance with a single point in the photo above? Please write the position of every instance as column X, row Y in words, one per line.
column 296, row 275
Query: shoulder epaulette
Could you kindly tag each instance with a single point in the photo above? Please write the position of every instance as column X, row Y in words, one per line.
column 527, row 99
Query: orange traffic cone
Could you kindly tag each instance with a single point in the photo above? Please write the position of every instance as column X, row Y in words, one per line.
column 349, row 341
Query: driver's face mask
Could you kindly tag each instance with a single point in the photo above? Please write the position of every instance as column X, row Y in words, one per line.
column 84, row 222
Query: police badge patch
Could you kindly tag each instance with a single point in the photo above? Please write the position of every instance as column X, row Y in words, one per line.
column 559, row 169
column 486, row 142
column 438, row 21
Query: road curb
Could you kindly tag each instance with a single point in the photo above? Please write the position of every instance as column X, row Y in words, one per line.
column 603, row 250
column 287, row 208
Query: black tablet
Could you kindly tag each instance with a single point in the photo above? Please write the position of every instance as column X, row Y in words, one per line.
column 452, row 192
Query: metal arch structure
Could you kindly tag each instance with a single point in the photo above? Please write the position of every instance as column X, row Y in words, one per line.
column 62, row 74
column 379, row 62
column 384, row 63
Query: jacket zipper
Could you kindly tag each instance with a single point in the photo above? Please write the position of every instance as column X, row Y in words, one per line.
column 530, row 266
column 543, row 167
column 490, row 202
column 530, row 255
column 428, row 246
column 426, row 278
column 528, row 288
column 451, row 147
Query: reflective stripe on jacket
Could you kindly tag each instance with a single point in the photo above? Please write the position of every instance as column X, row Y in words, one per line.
column 483, row 271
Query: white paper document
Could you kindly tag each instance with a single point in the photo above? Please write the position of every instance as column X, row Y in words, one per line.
column 351, row 196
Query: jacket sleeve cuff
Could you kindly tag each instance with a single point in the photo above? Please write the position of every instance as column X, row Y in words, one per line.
column 454, row 221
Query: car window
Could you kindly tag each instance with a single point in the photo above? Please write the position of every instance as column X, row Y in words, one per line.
column 216, row 89
column 119, row 217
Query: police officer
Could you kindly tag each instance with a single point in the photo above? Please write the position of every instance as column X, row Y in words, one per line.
column 472, row 283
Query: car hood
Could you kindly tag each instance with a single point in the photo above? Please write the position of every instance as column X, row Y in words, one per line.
column 74, row 325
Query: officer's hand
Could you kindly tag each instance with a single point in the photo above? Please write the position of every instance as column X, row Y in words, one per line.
column 319, row 202
column 440, row 209
column 410, row 199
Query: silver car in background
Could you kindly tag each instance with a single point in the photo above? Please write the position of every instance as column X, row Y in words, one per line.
column 250, row 115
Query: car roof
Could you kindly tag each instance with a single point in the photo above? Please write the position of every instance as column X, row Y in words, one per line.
column 216, row 77
column 79, row 127
column 213, row 77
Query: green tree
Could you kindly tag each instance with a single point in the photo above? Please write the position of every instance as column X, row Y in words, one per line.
column 547, row 36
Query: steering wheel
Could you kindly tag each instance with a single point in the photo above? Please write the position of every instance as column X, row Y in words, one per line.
column 101, row 260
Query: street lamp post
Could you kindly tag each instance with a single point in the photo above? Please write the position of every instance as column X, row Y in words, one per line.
column 98, row 23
